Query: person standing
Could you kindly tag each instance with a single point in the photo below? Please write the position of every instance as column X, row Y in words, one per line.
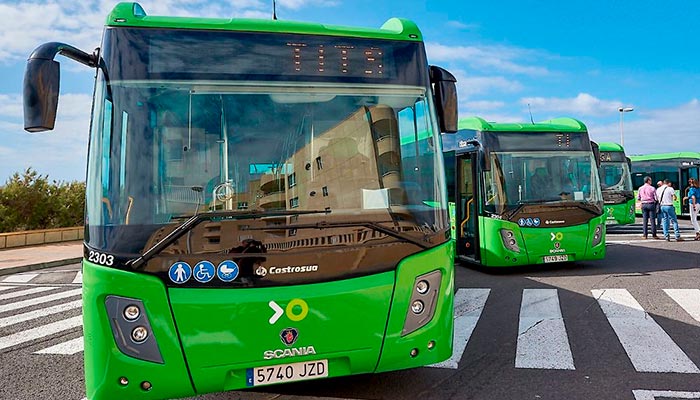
column 658, row 208
column 666, row 195
column 647, row 195
column 693, row 198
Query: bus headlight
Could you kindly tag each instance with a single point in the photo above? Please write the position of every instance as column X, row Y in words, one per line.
column 508, row 238
column 423, row 301
column 131, row 329
column 597, row 235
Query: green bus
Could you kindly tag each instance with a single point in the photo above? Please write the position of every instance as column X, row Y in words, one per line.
column 676, row 167
column 252, row 217
column 616, row 183
column 524, row 193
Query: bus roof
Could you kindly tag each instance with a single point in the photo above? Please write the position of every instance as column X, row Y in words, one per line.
column 552, row 125
column 610, row 146
column 129, row 14
column 667, row 156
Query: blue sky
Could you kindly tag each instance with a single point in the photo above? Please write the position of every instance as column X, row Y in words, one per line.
column 582, row 59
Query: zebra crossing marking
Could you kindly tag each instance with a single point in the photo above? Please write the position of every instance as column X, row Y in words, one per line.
column 648, row 346
column 469, row 303
column 26, row 292
column 39, row 300
column 40, row 332
column 641, row 394
column 542, row 339
column 20, row 278
column 7, row 288
column 688, row 299
column 78, row 277
column 70, row 347
column 28, row 316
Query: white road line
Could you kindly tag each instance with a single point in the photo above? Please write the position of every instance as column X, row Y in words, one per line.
column 666, row 394
column 542, row 339
column 39, row 300
column 26, row 292
column 28, row 316
column 20, row 278
column 7, row 288
column 67, row 348
column 647, row 345
column 78, row 277
column 40, row 332
column 689, row 299
column 469, row 303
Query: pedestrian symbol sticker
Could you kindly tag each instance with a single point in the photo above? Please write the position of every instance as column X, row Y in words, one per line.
column 227, row 271
column 180, row 272
column 204, row 271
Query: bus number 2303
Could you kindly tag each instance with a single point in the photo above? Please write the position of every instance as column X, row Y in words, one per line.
column 100, row 258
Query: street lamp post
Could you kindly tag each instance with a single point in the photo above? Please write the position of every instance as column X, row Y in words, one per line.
column 622, row 111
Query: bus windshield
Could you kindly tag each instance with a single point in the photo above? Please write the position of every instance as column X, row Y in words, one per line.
column 168, row 144
column 615, row 176
column 552, row 177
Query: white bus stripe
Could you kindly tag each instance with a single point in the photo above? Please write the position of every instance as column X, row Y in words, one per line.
column 647, row 345
column 70, row 347
column 26, row 292
column 469, row 303
column 689, row 299
column 20, row 278
column 542, row 339
column 7, row 288
column 15, row 319
column 39, row 300
column 40, row 332
column 78, row 277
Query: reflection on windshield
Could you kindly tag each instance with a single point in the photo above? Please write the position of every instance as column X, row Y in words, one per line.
column 615, row 176
column 540, row 177
column 171, row 151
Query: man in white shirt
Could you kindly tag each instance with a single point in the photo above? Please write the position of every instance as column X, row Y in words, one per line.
column 666, row 195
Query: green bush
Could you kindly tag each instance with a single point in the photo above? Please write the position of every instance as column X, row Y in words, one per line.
column 29, row 201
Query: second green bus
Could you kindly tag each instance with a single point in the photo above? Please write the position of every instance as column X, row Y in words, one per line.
column 524, row 193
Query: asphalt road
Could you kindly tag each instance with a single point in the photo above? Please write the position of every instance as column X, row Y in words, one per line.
column 627, row 327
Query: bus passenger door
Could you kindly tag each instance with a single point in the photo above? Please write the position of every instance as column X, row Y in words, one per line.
column 466, row 205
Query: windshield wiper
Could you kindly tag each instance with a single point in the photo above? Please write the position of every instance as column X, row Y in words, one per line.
column 196, row 219
column 371, row 225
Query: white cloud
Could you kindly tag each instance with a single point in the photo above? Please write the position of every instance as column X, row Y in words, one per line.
column 655, row 130
column 80, row 23
column 462, row 25
column 583, row 104
column 469, row 85
column 297, row 4
column 484, row 105
column 61, row 153
column 489, row 59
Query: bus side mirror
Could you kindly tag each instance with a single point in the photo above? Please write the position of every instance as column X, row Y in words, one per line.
column 596, row 153
column 445, row 92
column 41, row 86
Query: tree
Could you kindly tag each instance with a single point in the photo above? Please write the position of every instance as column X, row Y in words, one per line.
column 29, row 201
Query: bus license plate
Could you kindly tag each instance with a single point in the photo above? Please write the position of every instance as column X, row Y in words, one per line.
column 288, row 372
column 560, row 258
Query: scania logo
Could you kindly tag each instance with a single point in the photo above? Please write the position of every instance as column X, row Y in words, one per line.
column 293, row 352
column 289, row 336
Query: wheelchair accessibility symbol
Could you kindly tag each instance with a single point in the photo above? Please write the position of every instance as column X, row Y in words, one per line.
column 204, row 271
column 227, row 271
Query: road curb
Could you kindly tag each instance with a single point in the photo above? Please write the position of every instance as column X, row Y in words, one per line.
column 38, row 266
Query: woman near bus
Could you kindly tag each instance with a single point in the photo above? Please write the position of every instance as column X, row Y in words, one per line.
column 694, row 204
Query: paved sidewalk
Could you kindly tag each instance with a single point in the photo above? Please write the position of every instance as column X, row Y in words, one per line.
column 31, row 258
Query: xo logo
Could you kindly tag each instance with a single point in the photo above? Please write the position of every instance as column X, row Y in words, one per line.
column 296, row 310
